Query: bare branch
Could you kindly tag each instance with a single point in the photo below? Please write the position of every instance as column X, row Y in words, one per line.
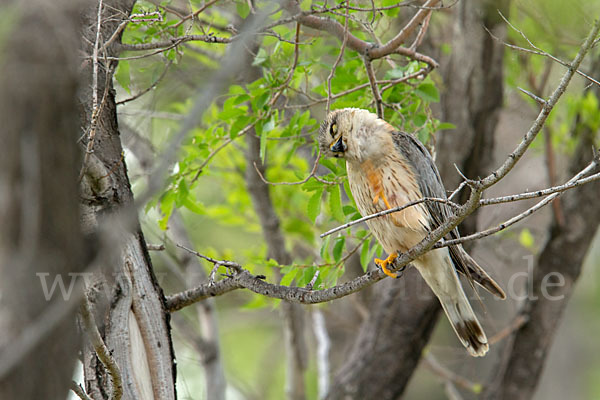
column 555, row 193
column 390, row 211
column 513, row 157
column 290, row 75
column 374, row 88
column 79, row 391
column 337, row 60
column 537, row 99
column 540, row 193
column 149, row 88
column 434, row 365
column 221, row 147
column 395, row 43
column 104, row 355
column 421, row 34
column 175, row 41
column 518, row 322
column 537, row 50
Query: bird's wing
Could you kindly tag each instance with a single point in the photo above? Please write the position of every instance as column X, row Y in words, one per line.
column 431, row 185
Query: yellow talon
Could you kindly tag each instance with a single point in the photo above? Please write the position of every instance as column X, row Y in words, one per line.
column 381, row 196
column 384, row 263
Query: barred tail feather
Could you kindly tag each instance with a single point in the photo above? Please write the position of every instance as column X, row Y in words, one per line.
column 439, row 273
column 465, row 324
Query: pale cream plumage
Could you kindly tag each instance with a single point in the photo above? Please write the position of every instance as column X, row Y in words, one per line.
column 386, row 169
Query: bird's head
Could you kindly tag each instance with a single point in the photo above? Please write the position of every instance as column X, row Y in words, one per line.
column 353, row 134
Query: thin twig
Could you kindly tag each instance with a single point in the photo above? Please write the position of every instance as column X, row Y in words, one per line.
column 79, row 391
column 537, row 99
column 556, row 192
column 434, row 365
column 395, row 42
column 516, row 155
column 132, row 18
column 221, row 147
column 310, row 175
column 149, row 88
column 390, row 83
column 414, row 55
column 95, row 59
column 390, row 211
column 229, row 264
column 337, row 60
column 103, row 353
column 515, row 324
column 175, row 41
column 540, row 193
column 537, row 50
column 290, row 75
column 194, row 14
column 421, row 34
column 374, row 87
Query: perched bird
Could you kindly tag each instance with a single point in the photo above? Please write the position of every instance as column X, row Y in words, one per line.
column 387, row 169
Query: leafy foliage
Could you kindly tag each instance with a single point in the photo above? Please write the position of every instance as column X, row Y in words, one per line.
column 281, row 107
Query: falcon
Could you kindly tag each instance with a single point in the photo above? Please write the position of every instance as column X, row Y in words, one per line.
column 386, row 169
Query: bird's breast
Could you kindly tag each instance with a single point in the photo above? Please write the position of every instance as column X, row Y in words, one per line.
column 373, row 184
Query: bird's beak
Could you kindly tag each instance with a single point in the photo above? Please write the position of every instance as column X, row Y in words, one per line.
column 339, row 146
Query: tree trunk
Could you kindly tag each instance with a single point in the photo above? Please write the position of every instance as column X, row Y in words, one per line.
column 40, row 239
column 128, row 302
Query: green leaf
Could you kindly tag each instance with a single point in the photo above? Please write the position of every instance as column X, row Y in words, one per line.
column 335, row 204
column 420, row 119
column 262, row 100
column 306, row 276
column 365, row 258
column 314, row 205
column 287, row 279
column 311, row 184
column 395, row 73
column 258, row 301
column 122, row 75
column 323, row 252
column 329, row 164
column 428, row 92
column 526, row 239
column 167, row 204
column 242, row 9
column 338, row 248
column 445, row 126
column 193, row 206
column 269, row 125
column 423, row 136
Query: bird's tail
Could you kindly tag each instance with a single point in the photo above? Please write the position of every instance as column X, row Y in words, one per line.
column 465, row 324
column 441, row 277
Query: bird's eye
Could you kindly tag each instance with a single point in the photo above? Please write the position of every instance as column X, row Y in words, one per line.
column 333, row 130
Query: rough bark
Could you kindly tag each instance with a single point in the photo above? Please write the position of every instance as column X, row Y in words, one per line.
column 562, row 256
column 391, row 340
column 128, row 302
column 40, row 239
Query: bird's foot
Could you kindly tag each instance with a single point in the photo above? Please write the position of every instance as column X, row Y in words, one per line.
column 383, row 264
column 381, row 195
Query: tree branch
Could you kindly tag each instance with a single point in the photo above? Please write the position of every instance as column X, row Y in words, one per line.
column 104, row 355
column 243, row 278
